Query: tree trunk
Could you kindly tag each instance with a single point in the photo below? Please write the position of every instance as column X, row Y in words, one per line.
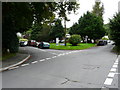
column 65, row 30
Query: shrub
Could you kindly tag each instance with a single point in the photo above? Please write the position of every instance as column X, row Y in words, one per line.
column 74, row 40
column 115, row 29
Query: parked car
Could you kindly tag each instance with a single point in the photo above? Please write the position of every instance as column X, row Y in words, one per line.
column 43, row 45
column 23, row 42
column 102, row 42
column 32, row 43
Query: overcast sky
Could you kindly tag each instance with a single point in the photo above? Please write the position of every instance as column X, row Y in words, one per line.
column 110, row 6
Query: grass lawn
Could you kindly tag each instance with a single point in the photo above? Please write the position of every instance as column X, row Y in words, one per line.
column 70, row 47
column 7, row 56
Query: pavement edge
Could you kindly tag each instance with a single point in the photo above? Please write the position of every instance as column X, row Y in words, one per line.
column 6, row 68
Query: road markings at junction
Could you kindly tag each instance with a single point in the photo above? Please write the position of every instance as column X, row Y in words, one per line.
column 112, row 73
column 25, row 64
column 113, row 70
column 108, row 81
column 34, row 62
column 48, row 58
column 54, row 56
column 42, row 60
column 13, row 67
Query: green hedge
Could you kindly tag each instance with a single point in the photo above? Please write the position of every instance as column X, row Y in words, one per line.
column 75, row 39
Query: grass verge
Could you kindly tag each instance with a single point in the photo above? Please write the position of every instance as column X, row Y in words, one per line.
column 7, row 56
column 116, row 50
column 70, row 47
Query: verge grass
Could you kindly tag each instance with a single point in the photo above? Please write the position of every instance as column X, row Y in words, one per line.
column 69, row 46
column 7, row 56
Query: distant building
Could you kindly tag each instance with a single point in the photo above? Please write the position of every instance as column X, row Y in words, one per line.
column 119, row 6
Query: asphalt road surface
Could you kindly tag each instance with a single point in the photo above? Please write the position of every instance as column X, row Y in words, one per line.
column 90, row 68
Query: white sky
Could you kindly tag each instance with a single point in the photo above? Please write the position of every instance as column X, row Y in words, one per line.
column 110, row 6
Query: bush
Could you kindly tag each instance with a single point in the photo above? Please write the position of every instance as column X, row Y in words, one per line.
column 115, row 29
column 74, row 40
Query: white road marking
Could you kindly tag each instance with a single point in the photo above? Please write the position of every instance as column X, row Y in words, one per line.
column 111, row 74
column 108, row 81
column 117, row 73
column 116, row 63
column 25, row 64
column 54, row 53
column 54, row 57
column 113, row 70
column 67, row 53
column 42, row 60
column 48, row 58
column 13, row 67
column 59, row 55
column 34, row 62
column 63, row 54
column 115, row 66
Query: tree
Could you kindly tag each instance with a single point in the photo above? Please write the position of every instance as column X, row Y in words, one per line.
column 57, row 30
column 19, row 17
column 98, row 8
column 74, row 29
column 40, row 33
column 66, row 7
column 115, row 29
column 90, row 25
column 75, row 39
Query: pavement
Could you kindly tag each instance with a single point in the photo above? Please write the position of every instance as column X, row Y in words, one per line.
column 18, row 59
column 91, row 68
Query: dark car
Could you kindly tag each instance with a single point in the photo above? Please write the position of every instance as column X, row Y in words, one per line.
column 102, row 42
column 43, row 45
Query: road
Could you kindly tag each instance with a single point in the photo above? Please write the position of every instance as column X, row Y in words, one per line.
column 47, row 68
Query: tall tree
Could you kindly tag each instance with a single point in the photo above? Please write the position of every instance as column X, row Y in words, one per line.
column 89, row 25
column 57, row 30
column 74, row 29
column 98, row 8
column 19, row 17
column 115, row 29
column 64, row 8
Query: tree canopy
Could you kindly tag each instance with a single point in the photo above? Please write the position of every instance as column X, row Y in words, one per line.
column 19, row 17
column 98, row 8
column 115, row 29
column 89, row 25
column 57, row 31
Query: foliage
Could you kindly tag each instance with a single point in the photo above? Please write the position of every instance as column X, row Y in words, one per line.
column 115, row 29
column 103, row 38
column 74, row 39
column 57, row 30
column 92, row 26
column 19, row 17
column 74, row 29
column 107, row 29
column 40, row 33
column 98, row 9
column 22, row 39
column 69, row 46
column 89, row 25
column 64, row 8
